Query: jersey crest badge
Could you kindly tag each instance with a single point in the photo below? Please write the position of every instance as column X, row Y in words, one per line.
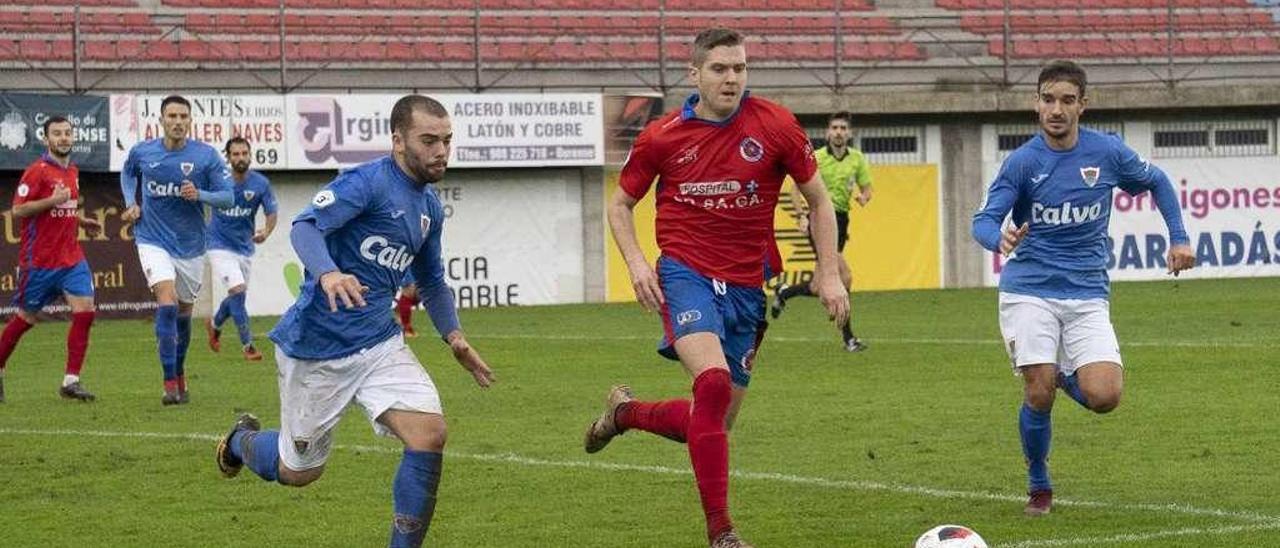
column 187, row 168
column 1090, row 175
column 751, row 149
column 426, row 224
column 248, row 195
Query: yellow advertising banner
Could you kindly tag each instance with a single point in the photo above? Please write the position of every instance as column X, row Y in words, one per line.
column 894, row 242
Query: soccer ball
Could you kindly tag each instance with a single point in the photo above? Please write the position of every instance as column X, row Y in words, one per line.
column 950, row 536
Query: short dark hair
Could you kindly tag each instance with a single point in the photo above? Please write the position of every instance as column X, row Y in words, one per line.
column 710, row 39
column 841, row 115
column 1061, row 70
column 402, row 112
column 237, row 140
column 55, row 119
column 174, row 99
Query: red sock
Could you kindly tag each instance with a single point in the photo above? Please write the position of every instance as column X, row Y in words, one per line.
column 78, row 340
column 171, row 385
column 181, row 383
column 13, row 332
column 668, row 418
column 404, row 305
column 709, row 446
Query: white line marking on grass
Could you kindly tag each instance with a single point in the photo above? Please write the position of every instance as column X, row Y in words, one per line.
column 1141, row 537
column 891, row 340
column 827, row 483
column 995, row 343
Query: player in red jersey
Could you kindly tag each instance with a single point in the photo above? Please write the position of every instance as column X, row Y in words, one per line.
column 50, row 261
column 719, row 162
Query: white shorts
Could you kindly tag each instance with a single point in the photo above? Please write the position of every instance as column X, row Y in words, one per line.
column 231, row 268
column 1066, row 332
column 313, row 395
column 159, row 266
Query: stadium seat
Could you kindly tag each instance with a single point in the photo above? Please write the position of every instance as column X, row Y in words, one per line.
column 194, row 50
column 99, row 50
column 13, row 21
column 161, row 50
column 457, row 51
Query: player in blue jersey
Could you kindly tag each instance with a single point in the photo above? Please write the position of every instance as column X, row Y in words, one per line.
column 178, row 177
column 337, row 344
column 1054, row 308
column 231, row 243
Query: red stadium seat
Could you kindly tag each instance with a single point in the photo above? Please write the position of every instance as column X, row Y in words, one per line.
column 13, row 21
column 193, row 50
column 400, row 51
column 457, row 51
column 161, row 50
column 255, row 50
column 99, row 50
column 428, row 51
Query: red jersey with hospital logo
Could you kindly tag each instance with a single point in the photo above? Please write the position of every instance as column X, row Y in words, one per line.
column 718, row 185
column 49, row 239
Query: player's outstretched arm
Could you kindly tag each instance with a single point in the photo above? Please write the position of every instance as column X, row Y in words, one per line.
column 622, row 224
column 272, row 212
column 218, row 188
column 308, row 243
column 129, row 188
column 822, row 228
column 437, row 298
column 987, row 221
column 470, row 360
column 263, row 233
column 91, row 226
column 1181, row 257
column 863, row 179
column 35, row 207
column 1137, row 175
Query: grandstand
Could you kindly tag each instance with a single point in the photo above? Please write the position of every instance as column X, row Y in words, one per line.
column 611, row 44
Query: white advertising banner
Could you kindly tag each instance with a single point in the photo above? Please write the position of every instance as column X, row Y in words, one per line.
column 1231, row 210
column 214, row 118
column 498, row 130
column 507, row 241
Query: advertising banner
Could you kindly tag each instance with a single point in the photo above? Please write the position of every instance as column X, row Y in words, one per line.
column 214, row 119
column 22, row 118
column 489, row 130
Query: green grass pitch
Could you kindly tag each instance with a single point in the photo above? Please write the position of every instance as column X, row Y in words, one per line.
column 831, row 449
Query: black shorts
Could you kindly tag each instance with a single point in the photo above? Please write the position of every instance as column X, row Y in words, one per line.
column 842, row 231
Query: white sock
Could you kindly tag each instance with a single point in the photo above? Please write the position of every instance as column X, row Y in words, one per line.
column 67, row 380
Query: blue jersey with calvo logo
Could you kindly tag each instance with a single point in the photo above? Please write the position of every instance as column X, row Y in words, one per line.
column 376, row 220
column 170, row 221
column 1065, row 196
column 231, row 228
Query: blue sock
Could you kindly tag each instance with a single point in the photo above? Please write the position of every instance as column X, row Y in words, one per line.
column 1036, row 428
column 239, row 315
column 222, row 314
column 167, row 339
column 414, row 497
column 184, row 341
column 1071, row 385
column 259, row 451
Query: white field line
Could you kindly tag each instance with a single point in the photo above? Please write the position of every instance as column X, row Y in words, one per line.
column 826, row 483
column 1143, row 537
column 890, row 340
column 994, row 343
